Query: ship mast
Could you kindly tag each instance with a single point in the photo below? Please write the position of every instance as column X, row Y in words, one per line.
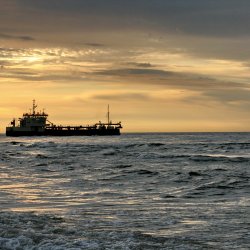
column 108, row 114
column 34, row 107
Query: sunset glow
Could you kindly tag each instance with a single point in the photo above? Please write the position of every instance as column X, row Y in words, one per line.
column 162, row 66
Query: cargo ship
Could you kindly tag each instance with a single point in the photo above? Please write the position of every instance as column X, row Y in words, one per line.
column 37, row 124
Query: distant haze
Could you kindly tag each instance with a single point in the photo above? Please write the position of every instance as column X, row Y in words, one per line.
column 161, row 65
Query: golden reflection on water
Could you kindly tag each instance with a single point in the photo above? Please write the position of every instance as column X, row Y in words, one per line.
column 12, row 186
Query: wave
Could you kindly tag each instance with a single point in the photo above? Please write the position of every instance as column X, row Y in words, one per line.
column 224, row 158
column 123, row 166
column 110, row 153
column 201, row 157
column 42, row 156
column 193, row 173
column 156, row 144
column 142, row 172
column 230, row 184
column 133, row 145
column 29, row 231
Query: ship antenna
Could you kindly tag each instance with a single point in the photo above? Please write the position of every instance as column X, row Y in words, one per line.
column 34, row 107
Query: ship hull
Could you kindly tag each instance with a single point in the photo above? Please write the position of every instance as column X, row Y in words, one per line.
column 51, row 132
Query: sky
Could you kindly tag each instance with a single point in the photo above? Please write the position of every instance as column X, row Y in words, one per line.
column 161, row 65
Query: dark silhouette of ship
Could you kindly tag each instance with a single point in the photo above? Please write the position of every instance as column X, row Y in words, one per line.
column 37, row 124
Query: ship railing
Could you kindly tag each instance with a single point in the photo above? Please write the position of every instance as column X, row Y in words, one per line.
column 104, row 124
column 54, row 127
column 35, row 115
column 88, row 127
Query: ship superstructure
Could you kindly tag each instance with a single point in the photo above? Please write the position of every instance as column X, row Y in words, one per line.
column 37, row 123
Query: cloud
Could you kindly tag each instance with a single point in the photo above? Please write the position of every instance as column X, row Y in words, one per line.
column 231, row 95
column 122, row 96
column 130, row 69
column 134, row 72
column 94, row 44
column 13, row 37
column 140, row 65
column 195, row 17
column 214, row 29
column 33, row 76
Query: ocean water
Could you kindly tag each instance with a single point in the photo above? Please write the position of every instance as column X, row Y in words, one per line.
column 134, row 191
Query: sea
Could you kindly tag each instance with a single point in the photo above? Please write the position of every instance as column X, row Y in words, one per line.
column 134, row 191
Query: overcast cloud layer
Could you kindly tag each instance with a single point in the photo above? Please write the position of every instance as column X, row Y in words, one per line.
column 216, row 28
column 195, row 17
